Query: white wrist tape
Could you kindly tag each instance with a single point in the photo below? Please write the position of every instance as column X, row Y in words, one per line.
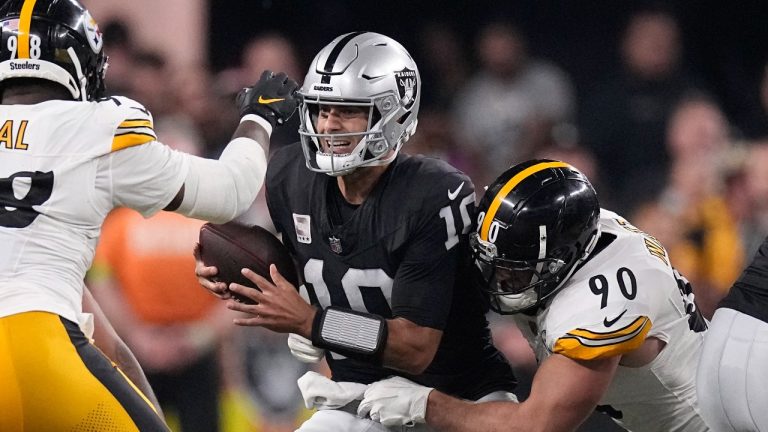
column 260, row 120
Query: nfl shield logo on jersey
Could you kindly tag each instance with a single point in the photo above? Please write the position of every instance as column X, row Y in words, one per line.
column 335, row 244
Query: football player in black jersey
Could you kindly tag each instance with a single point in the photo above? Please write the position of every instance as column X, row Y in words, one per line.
column 379, row 237
column 732, row 380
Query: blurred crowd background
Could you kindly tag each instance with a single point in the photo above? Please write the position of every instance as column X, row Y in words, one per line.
column 664, row 105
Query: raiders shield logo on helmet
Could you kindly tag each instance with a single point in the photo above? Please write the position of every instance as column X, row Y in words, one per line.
column 406, row 86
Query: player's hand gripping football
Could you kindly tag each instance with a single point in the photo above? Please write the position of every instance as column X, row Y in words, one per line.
column 279, row 307
column 273, row 97
column 205, row 276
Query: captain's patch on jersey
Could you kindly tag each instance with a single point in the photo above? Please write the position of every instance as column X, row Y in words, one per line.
column 303, row 231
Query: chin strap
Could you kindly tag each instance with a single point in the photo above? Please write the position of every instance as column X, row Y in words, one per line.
column 81, row 79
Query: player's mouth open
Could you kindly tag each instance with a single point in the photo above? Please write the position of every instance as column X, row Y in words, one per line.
column 339, row 146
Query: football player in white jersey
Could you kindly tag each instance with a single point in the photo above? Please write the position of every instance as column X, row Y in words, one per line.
column 67, row 157
column 613, row 325
column 732, row 380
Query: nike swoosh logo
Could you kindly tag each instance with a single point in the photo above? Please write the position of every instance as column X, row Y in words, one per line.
column 452, row 195
column 608, row 323
column 269, row 101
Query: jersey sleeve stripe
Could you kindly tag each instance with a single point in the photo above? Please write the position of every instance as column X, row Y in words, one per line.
column 122, row 141
column 582, row 344
column 628, row 329
column 131, row 123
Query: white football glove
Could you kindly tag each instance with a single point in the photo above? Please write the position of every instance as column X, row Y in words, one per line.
column 321, row 393
column 302, row 349
column 395, row 401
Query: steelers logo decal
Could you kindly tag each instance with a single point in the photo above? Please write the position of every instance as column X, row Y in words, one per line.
column 92, row 33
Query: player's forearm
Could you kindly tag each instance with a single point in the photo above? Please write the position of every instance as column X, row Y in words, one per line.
column 220, row 190
column 448, row 414
column 258, row 131
column 410, row 347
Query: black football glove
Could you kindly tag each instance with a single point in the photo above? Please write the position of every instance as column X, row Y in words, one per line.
column 272, row 97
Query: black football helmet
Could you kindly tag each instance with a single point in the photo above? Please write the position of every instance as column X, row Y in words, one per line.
column 55, row 40
column 536, row 223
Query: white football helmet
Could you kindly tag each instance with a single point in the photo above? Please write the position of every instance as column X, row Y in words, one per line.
column 361, row 69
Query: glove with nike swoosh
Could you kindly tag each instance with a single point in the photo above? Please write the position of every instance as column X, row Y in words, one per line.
column 273, row 97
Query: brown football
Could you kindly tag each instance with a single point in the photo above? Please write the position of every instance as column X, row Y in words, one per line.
column 231, row 247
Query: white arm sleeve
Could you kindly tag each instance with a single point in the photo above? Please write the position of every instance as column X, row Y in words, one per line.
column 220, row 190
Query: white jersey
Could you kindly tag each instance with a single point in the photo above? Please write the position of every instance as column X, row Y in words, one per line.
column 63, row 166
column 623, row 294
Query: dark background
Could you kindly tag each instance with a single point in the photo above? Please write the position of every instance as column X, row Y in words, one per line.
column 724, row 42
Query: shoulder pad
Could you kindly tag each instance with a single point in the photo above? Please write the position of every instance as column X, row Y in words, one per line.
column 446, row 183
column 132, row 122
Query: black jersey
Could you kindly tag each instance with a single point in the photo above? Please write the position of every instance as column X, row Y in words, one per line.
column 749, row 293
column 397, row 255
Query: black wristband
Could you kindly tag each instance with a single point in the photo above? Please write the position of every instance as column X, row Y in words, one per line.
column 357, row 335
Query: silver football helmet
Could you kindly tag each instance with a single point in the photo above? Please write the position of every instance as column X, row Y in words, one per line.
column 360, row 69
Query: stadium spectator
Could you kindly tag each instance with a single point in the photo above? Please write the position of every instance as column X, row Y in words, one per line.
column 623, row 118
column 503, row 108
column 691, row 215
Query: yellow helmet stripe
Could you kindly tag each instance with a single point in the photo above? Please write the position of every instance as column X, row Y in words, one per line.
column 25, row 23
column 507, row 188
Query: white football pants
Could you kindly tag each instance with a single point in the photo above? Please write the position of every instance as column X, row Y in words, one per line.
column 732, row 380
